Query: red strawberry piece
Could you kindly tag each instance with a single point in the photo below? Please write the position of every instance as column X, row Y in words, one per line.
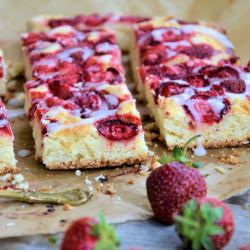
column 170, row 186
column 234, row 85
column 172, row 35
column 133, row 19
column 32, row 110
column 215, row 90
column 113, row 76
column 247, row 68
column 197, row 81
column 224, row 72
column 180, row 71
column 1, row 70
column 118, row 127
column 89, row 100
column 60, row 90
column 171, row 88
column 92, row 100
column 183, row 22
column 32, row 37
column 153, row 55
column 200, row 51
column 95, row 72
column 232, row 60
column 205, row 112
column 89, row 234
column 205, row 223
column 207, row 70
column 95, row 20
column 63, row 71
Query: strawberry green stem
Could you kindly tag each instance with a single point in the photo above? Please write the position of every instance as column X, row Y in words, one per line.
column 188, row 142
column 186, row 221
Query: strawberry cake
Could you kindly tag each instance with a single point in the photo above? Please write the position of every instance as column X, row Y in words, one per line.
column 77, row 101
column 7, row 159
column 120, row 24
column 2, row 74
column 192, row 82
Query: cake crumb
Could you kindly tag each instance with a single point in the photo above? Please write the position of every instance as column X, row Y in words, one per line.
column 10, row 224
column 67, row 207
column 78, row 172
column 110, row 189
column 100, row 178
column 229, row 159
column 130, row 182
column 220, row 170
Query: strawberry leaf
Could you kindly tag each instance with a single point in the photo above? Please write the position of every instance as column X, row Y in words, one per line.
column 197, row 223
column 196, row 164
column 207, row 243
column 106, row 235
column 164, row 159
column 177, row 152
column 179, row 155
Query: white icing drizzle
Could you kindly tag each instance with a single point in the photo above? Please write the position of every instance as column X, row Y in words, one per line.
column 52, row 127
column 157, row 34
column 65, row 55
column 104, row 47
column 210, row 31
column 200, row 150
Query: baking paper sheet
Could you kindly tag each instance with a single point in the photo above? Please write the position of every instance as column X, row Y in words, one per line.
column 129, row 202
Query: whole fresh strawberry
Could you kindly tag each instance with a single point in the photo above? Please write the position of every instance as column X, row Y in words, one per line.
column 205, row 223
column 173, row 184
column 89, row 234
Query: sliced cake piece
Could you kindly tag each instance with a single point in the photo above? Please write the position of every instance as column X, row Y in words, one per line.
column 119, row 23
column 81, row 111
column 2, row 74
column 7, row 158
column 192, row 84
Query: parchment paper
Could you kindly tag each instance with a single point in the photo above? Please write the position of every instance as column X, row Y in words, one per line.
column 129, row 202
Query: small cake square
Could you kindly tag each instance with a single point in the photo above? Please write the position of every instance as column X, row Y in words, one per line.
column 7, row 159
column 120, row 24
column 77, row 101
column 2, row 74
column 192, row 82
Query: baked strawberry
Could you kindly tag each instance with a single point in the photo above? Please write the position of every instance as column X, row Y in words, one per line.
column 170, row 88
column 88, row 234
column 205, row 223
column 234, row 85
column 200, row 51
column 172, row 185
column 119, row 127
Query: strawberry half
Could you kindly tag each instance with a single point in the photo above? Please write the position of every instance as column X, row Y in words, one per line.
column 89, row 234
column 205, row 223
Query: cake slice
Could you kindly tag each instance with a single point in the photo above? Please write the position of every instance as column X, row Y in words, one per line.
column 7, row 158
column 2, row 74
column 77, row 101
column 193, row 85
column 119, row 23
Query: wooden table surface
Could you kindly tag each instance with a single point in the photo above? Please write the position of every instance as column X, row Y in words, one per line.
column 148, row 235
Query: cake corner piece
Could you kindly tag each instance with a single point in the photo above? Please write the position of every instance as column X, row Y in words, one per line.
column 192, row 82
column 7, row 161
